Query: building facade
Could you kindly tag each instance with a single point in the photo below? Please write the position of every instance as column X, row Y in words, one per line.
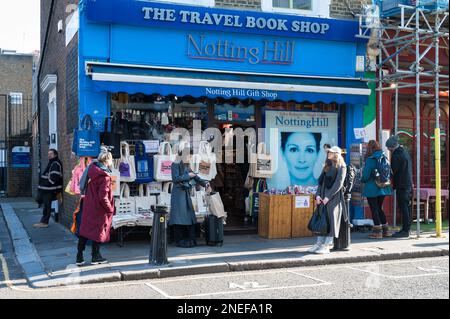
column 228, row 64
column 16, row 71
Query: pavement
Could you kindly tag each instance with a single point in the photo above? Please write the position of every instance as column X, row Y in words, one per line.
column 47, row 256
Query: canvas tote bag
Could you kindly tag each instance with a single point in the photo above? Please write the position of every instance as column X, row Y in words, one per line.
column 126, row 164
column 261, row 164
column 163, row 163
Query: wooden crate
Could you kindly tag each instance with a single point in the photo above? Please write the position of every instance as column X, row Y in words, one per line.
column 274, row 218
column 301, row 215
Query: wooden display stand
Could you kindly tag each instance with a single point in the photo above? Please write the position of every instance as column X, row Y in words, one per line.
column 274, row 218
column 302, row 210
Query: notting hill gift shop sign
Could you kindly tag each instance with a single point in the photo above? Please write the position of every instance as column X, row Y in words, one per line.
column 156, row 14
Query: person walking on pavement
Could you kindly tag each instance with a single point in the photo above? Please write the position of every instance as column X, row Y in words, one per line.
column 401, row 165
column 330, row 193
column 182, row 214
column 98, row 209
column 50, row 186
column 375, row 195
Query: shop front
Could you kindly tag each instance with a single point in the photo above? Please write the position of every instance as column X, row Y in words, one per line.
column 149, row 68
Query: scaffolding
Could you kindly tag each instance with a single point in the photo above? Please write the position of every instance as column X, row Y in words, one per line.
column 417, row 30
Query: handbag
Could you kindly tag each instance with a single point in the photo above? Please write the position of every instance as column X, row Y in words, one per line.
column 319, row 223
column 115, row 181
column 144, row 164
column 126, row 164
column 163, row 163
column 111, row 139
column 86, row 139
column 165, row 196
column 125, row 205
column 261, row 163
column 198, row 200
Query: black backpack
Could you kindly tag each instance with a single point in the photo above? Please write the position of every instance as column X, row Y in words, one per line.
column 349, row 181
column 383, row 172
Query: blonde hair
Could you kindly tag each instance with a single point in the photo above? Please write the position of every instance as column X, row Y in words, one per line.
column 103, row 157
column 338, row 161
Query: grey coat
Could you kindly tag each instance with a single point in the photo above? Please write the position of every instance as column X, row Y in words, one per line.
column 336, row 206
column 181, row 208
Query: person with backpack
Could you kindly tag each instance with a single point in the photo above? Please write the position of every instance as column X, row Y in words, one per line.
column 376, row 178
column 402, row 181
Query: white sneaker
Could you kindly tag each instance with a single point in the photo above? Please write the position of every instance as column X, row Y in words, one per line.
column 324, row 249
column 314, row 248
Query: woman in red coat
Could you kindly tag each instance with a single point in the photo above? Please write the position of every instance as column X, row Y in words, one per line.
column 98, row 209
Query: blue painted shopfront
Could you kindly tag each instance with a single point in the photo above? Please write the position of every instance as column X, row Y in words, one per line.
column 132, row 46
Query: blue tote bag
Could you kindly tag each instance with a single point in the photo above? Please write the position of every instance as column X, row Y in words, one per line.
column 144, row 164
column 86, row 139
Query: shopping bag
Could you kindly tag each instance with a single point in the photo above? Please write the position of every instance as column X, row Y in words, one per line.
column 86, row 139
column 215, row 205
column 163, row 163
column 144, row 164
column 165, row 196
column 144, row 201
column 319, row 223
column 198, row 200
column 261, row 163
column 125, row 205
column 111, row 139
column 126, row 164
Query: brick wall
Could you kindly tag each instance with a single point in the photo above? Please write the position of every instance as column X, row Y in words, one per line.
column 247, row 4
column 346, row 9
column 62, row 61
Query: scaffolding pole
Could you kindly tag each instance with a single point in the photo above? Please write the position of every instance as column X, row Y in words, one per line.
column 417, row 30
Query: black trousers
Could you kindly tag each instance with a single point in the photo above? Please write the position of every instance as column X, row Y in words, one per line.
column 376, row 207
column 82, row 241
column 47, row 199
column 181, row 232
column 404, row 205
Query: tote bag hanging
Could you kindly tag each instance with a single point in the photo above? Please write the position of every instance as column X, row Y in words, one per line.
column 198, row 200
column 144, row 164
column 165, row 196
column 86, row 139
column 163, row 163
column 77, row 172
column 111, row 140
column 261, row 163
column 125, row 205
column 126, row 164
column 204, row 163
column 144, row 201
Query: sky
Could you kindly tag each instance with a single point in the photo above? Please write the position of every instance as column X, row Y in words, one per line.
column 20, row 25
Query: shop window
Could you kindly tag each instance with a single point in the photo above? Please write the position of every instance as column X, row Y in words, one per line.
column 16, row 98
column 305, row 106
column 206, row 3
column 318, row 8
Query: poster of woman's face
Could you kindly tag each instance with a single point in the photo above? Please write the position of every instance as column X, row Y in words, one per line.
column 300, row 151
column 298, row 146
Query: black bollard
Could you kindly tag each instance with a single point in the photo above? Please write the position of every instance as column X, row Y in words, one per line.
column 158, row 247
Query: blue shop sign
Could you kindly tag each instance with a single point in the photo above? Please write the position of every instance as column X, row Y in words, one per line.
column 164, row 15
column 21, row 157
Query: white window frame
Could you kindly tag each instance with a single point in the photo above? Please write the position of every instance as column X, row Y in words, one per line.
column 205, row 3
column 320, row 9
column 16, row 98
